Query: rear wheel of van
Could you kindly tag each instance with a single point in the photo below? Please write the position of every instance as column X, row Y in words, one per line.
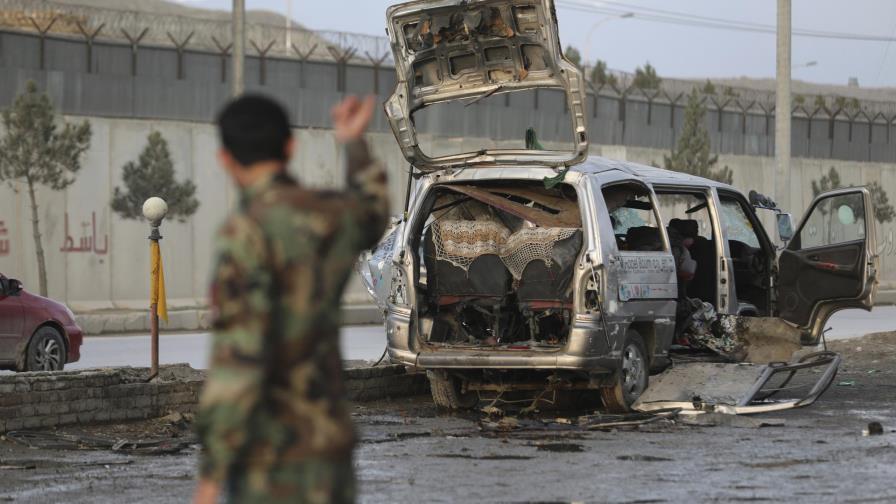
column 632, row 377
column 446, row 392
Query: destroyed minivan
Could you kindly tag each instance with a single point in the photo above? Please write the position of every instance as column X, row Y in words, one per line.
column 536, row 268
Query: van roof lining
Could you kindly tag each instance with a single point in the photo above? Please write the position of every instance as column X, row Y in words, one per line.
column 567, row 215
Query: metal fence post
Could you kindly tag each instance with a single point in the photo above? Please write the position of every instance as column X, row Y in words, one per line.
column 135, row 43
column 43, row 39
column 303, row 58
column 224, row 51
column 179, row 47
column 89, row 37
column 342, row 58
column 263, row 56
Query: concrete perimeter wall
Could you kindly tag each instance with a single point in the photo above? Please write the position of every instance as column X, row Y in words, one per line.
column 113, row 272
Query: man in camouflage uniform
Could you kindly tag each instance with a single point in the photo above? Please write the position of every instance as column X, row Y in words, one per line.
column 273, row 421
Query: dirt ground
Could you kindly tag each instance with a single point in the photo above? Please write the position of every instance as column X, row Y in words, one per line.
column 410, row 453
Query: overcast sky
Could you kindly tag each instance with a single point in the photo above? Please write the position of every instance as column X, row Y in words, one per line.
column 679, row 51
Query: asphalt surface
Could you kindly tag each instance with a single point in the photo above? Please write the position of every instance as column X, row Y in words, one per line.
column 364, row 342
column 410, row 452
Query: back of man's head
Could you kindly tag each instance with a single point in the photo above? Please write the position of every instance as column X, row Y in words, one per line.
column 254, row 129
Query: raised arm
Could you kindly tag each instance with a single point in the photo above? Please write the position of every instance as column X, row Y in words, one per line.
column 367, row 183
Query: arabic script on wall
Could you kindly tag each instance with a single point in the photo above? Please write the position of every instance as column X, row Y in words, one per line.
column 88, row 241
column 4, row 242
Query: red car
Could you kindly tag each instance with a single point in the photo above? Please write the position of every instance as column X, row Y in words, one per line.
column 36, row 334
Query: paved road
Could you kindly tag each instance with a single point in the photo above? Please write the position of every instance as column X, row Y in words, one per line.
column 366, row 342
column 358, row 343
column 409, row 452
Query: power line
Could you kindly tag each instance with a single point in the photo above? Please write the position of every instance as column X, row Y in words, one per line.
column 684, row 19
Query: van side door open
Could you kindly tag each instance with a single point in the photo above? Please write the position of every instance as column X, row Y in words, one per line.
column 831, row 263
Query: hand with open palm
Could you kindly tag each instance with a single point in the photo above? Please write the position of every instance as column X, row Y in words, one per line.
column 352, row 117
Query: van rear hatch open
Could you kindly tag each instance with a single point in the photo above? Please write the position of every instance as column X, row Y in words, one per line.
column 450, row 50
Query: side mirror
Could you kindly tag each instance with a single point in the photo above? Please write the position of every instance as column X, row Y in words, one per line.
column 785, row 227
column 13, row 287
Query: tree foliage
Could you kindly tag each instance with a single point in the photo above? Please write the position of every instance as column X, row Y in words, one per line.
column 601, row 77
column 692, row 152
column 153, row 175
column 883, row 210
column 573, row 55
column 34, row 148
column 37, row 152
column 647, row 78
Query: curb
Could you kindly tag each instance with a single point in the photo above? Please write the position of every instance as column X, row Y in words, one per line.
column 137, row 321
column 885, row 298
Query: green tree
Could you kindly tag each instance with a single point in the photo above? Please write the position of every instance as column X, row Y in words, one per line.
column 709, row 88
column 38, row 152
column 729, row 92
column 647, row 78
column 573, row 55
column 601, row 77
column 883, row 210
column 692, row 152
column 153, row 175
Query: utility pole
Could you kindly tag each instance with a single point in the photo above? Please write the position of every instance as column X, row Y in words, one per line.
column 288, row 24
column 239, row 48
column 783, row 109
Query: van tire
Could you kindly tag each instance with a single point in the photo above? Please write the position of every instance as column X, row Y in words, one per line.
column 446, row 392
column 632, row 378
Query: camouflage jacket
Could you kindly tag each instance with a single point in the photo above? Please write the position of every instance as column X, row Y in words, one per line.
column 274, row 391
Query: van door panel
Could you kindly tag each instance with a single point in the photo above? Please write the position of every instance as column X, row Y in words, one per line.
column 829, row 265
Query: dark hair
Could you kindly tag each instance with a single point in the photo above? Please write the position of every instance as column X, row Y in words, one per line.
column 254, row 128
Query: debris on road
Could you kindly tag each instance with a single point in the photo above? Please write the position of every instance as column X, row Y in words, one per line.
column 740, row 389
column 756, row 340
column 723, row 420
column 873, row 429
column 58, row 441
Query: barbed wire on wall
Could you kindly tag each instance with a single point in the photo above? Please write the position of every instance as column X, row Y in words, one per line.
column 58, row 19
column 674, row 92
column 183, row 32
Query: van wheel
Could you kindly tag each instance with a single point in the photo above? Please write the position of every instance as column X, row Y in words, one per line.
column 446, row 392
column 632, row 377
column 46, row 352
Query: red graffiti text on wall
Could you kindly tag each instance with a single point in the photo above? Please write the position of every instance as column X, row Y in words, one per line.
column 87, row 242
column 4, row 242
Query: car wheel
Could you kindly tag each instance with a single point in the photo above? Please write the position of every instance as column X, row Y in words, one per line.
column 46, row 352
column 632, row 377
column 446, row 392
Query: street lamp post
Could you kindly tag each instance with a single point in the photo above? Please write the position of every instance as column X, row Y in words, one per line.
column 594, row 28
column 155, row 210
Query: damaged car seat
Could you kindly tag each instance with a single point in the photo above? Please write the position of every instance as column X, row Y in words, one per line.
column 480, row 275
column 549, row 284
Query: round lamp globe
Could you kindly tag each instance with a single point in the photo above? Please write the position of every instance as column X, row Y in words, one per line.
column 155, row 209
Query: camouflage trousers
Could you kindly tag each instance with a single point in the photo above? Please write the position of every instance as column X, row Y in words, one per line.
column 307, row 481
